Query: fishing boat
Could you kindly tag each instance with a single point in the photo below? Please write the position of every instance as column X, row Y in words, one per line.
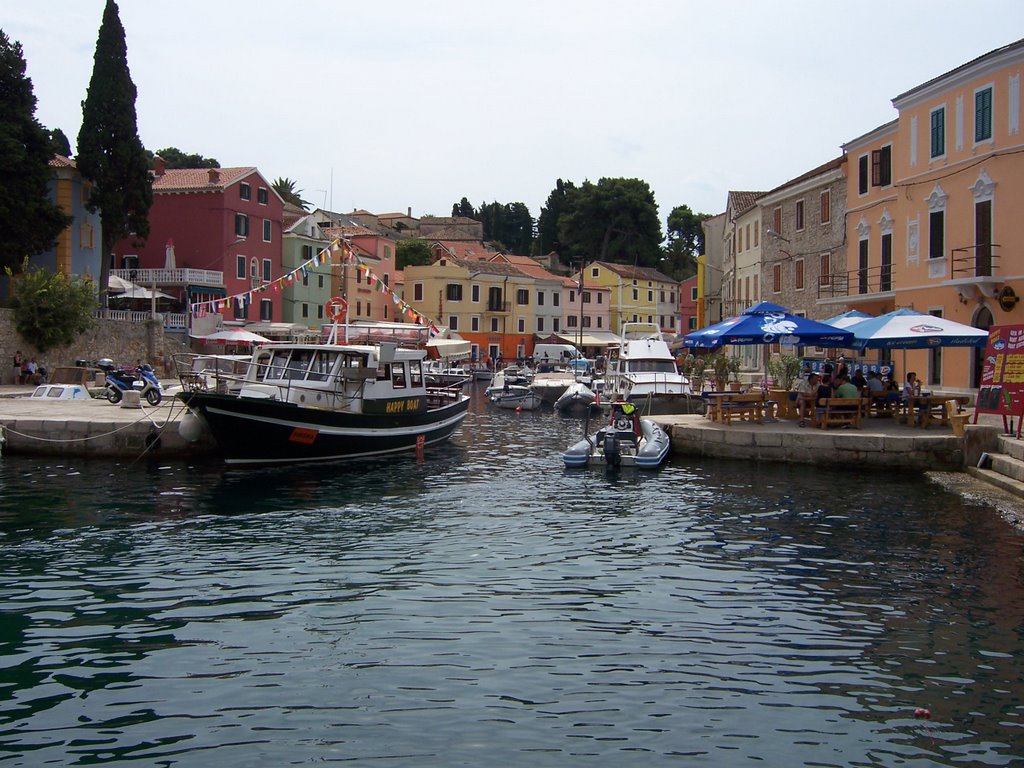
column 643, row 371
column 365, row 396
column 625, row 441
column 516, row 397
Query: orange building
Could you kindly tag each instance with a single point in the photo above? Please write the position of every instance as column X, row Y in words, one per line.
column 932, row 200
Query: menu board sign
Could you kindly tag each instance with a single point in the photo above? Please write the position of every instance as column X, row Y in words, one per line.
column 1002, row 375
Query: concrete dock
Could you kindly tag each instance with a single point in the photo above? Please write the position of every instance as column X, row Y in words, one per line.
column 881, row 442
column 92, row 428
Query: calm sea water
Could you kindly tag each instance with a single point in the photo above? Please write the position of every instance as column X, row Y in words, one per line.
column 487, row 607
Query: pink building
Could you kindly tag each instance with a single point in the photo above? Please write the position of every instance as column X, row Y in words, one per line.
column 220, row 220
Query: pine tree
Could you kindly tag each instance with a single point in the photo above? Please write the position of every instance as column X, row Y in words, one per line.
column 29, row 221
column 110, row 152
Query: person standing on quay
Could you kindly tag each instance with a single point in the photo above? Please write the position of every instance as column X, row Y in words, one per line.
column 18, row 361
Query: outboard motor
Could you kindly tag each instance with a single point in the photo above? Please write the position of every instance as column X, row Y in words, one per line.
column 612, row 454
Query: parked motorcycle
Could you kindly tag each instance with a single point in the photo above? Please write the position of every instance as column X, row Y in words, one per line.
column 120, row 380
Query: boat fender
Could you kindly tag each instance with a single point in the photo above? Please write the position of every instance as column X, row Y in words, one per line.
column 191, row 427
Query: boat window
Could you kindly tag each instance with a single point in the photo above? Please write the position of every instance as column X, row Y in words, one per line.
column 415, row 373
column 398, row 375
column 322, row 365
column 263, row 365
column 299, row 364
column 652, row 366
column 272, row 366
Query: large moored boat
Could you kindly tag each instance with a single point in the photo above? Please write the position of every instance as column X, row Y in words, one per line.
column 366, row 396
column 643, row 371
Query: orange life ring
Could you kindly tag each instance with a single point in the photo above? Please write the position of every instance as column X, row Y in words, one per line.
column 337, row 308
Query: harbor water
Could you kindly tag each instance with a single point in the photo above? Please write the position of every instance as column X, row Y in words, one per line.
column 485, row 606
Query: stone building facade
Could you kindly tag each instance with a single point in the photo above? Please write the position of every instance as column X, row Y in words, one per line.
column 803, row 246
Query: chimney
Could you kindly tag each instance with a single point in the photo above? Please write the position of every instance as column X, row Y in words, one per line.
column 215, row 175
column 409, row 211
column 159, row 166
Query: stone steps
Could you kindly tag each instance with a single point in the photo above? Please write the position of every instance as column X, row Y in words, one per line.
column 1005, row 467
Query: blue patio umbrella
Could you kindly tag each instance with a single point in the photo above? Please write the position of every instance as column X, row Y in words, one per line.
column 768, row 323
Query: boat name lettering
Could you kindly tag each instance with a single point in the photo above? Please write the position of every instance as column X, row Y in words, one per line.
column 401, row 406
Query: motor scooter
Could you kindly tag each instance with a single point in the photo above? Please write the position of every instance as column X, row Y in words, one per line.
column 120, row 380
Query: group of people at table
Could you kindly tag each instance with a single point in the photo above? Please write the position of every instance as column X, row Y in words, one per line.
column 881, row 396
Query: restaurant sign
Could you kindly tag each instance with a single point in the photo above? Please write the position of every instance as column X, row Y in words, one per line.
column 1001, row 388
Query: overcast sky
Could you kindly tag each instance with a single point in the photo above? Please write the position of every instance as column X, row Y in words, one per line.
column 392, row 105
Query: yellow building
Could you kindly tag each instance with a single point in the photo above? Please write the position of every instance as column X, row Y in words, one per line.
column 638, row 294
column 932, row 201
column 491, row 304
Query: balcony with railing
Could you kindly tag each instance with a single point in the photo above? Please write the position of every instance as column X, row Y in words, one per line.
column 864, row 281
column 172, row 277
column 974, row 271
column 499, row 307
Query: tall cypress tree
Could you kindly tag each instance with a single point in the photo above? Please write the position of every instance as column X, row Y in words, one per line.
column 109, row 149
column 29, row 221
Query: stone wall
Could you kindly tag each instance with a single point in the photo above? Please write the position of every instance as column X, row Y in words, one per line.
column 123, row 342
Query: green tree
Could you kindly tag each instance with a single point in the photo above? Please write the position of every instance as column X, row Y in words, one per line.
column 59, row 144
column 464, row 208
column 109, row 149
column 285, row 187
column 29, row 221
column 175, row 158
column 614, row 220
column 685, row 241
column 412, row 253
column 547, row 223
column 51, row 309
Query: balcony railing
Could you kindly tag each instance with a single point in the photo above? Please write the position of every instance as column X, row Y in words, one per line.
column 175, row 320
column 171, row 277
column 979, row 260
column 501, row 307
column 858, row 282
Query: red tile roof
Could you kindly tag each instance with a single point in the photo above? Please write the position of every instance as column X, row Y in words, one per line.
column 199, row 179
column 636, row 273
column 59, row 161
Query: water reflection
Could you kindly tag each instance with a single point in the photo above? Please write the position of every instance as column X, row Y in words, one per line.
column 487, row 605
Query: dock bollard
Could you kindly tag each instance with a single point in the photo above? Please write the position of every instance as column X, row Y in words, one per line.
column 131, row 399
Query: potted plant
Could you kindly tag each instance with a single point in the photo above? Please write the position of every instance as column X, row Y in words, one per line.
column 783, row 369
column 719, row 363
column 734, row 369
column 700, row 363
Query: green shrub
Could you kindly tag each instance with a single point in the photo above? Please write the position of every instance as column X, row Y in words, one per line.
column 50, row 308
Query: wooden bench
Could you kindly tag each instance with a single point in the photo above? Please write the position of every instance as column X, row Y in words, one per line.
column 745, row 407
column 839, row 411
column 955, row 417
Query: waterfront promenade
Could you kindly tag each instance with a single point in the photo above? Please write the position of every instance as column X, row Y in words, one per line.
column 93, row 427
column 98, row 428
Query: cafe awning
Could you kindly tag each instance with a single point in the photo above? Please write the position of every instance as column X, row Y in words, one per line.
column 591, row 339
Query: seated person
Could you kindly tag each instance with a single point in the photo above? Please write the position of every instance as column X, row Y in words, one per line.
column 806, row 390
column 912, row 388
column 858, row 380
column 874, row 385
column 845, row 388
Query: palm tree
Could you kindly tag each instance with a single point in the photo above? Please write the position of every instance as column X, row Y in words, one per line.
column 285, row 187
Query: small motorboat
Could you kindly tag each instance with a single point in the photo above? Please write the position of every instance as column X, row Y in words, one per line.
column 516, row 397
column 626, row 441
column 577, row 396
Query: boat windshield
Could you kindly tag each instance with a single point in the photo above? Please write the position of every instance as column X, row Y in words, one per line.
column 652, row 366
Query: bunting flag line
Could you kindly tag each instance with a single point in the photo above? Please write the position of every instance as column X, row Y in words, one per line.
column 241, row 300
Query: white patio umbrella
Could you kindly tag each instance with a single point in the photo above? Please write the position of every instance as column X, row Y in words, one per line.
column 235, row 336
column 907, row 329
